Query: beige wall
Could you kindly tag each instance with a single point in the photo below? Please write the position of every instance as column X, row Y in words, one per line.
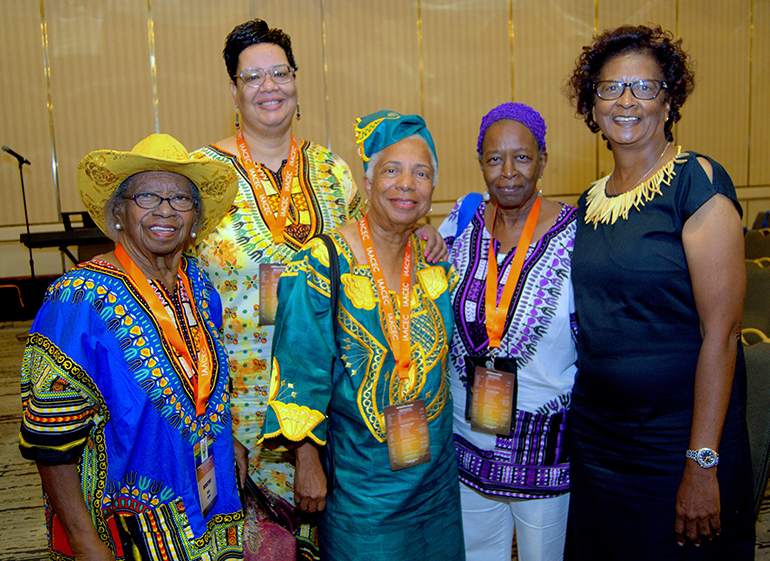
column 85, row 74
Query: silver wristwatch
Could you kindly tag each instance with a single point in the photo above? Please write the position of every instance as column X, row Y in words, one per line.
column 706, row 457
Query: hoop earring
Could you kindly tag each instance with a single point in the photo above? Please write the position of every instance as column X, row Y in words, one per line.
column 298, row 115
column 237, row 124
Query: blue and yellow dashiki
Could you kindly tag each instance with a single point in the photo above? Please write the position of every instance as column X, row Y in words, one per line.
column 98, row 386
column 371, row 512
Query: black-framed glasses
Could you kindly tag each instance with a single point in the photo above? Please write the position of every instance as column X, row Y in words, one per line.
column 641, row 89
column 255, row 77
column 149, row 201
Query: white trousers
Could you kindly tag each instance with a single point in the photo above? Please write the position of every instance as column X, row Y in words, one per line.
column 489, row 521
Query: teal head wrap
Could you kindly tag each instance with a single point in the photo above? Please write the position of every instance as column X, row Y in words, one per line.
column 383, row 128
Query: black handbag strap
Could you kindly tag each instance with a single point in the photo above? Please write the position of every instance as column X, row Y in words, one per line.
column 334, row 276
column 334, row 297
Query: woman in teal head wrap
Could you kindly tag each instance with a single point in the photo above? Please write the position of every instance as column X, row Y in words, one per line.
column 369, row 386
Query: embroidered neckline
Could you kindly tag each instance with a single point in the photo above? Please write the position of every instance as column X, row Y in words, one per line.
column 601, row 208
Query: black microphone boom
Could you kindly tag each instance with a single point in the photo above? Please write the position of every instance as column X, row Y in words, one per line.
column 22, row 159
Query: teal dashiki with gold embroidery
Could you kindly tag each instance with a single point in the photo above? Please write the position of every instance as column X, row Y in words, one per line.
column 102, row 387
column 333, row 391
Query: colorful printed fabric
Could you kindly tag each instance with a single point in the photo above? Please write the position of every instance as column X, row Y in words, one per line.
column 324, row 197
column 99, row 385
column 352, row 379
column 540, row 334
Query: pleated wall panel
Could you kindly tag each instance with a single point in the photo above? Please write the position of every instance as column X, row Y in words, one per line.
column 759, row 164
column 424, row 56
column 194, row 100
column 715, row 119
column 101, row 83
column 373, row 64
column 466, row 53
column 25, row 119
column 547, row 40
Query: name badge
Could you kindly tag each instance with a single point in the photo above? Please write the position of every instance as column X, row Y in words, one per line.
column 204, row 470
column 406, row 426
column 492, row 406
column 269, row 273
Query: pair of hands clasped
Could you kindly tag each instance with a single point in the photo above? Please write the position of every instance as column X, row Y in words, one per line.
column 309, row 478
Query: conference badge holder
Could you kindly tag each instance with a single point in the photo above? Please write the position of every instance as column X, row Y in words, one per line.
column 406, row 426
column 269, row 273
column 204, row 471
column 490, row 393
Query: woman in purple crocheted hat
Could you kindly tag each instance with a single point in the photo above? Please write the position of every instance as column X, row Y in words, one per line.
column 512, row 356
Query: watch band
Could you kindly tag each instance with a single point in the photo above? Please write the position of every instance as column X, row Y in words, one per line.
column 706, row 457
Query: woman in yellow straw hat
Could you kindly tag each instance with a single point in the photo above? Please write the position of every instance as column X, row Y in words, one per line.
column 124, row 378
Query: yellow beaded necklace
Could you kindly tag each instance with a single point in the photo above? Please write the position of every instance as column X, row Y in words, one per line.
column 606, row 210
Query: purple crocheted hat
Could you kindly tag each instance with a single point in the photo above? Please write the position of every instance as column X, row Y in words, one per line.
column 516, row 112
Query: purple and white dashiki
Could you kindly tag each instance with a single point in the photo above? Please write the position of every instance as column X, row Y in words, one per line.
column 540, row 333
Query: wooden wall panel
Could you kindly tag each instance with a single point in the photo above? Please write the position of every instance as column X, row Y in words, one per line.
column 715, row 118
column 546, row 43
column 354, row 58
column 759, row 165
column 100, row 81
column 301, row 19
column 467, row 71
column 194, row 100
column 373, row 63
column 26, row 125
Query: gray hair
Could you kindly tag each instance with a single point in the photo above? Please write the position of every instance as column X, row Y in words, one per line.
column 369, row 174
column 118, row 202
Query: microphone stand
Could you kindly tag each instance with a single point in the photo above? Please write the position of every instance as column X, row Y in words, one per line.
column 26, row 216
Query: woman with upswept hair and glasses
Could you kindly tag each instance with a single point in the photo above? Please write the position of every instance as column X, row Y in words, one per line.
column 660, row 458
column 289, row 190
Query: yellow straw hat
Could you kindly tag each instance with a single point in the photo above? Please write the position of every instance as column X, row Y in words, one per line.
column 101, row 172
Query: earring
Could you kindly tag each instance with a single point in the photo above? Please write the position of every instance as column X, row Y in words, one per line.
column 237, row 125
column 193, row 235
column 431, row 210
column 298, row 115
column 485, row 196
column 118, row 227
column 540, row 186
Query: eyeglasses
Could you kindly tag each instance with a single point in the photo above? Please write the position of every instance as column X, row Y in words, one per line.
column 255, row 77
column 149, row 201
column 641, row 89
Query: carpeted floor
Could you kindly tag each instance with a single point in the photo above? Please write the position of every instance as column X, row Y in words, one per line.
column 22, row 532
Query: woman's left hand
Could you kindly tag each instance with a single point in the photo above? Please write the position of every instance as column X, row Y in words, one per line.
column 435, row 249
column 697, row 505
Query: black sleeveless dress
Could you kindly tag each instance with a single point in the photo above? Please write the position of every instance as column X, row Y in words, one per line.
column 632, row 404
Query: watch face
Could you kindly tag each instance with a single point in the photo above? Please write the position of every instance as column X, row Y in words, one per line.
column 707, row 458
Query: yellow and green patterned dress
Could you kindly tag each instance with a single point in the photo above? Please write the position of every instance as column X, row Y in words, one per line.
column 324, row 197
column 334, row 389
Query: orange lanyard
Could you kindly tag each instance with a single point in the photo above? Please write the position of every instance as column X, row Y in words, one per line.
column 398, row 337
column 201, row 379
column 258, row 177
column 496, row 313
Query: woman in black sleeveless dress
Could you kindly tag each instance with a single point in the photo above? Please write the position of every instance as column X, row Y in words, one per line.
column 659, row 283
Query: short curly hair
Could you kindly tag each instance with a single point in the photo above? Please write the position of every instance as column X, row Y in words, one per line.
column 250, row 33
column 674, row 62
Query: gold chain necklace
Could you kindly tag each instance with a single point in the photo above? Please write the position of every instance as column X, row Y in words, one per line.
column 612, row 175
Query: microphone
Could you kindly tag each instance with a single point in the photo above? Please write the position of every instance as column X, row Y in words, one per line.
column 22, row 159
